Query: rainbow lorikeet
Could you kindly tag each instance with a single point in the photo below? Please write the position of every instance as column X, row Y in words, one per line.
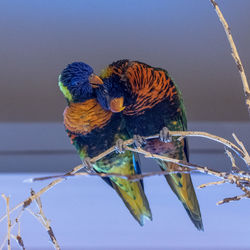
column 150, row 102
column 93, row 130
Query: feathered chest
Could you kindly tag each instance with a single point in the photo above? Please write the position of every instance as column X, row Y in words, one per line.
column 83, row 118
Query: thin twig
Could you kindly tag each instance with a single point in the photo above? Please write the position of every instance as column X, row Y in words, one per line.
column 241, row 185
column 19, row 241
column 230, row 156
column 184, row 167
column 45, row 222
column 7, row 200
column 235, row 198
column 235, row 54
column 189, row 166
column 31, row 198
column 246, row 155
column 209, row 136
column 18, row 238
column 212, row 183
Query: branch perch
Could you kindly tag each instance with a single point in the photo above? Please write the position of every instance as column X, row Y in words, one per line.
column 7, row 200
column 185, row 165
column 239, row 178
column 235, row 54
column 44, row 221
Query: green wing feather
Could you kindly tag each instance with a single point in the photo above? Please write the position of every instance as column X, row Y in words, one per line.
column 181, row 184
column 131, row 193
column 154, row 108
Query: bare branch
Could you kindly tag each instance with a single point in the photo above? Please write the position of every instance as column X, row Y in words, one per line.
column 7, row 200
column 19, row 241
column 45, row 222
column 31, row 198
column 18, row 238
column 230, row 156
column 235, row 198
column 212, row 183
column 235, row 54
column 185, row 166
column 246, row 155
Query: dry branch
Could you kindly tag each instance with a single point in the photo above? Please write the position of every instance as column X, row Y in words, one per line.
column 18, row 238
column 184, row 166
column 233, row 178
column 31, row 198
column 235, row 54
column 235, row 198
column 7, row 200
column 45, row 222
column 239, row 178
column 212, row 183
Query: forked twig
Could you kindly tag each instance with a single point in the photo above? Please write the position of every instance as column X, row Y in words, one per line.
column 44, row 221
column 184, row 164
column 31, row 198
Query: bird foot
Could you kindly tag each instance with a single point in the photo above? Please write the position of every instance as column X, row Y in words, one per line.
column 88, row 165
column 120, row 147
column 139, row 141
column 165, row 135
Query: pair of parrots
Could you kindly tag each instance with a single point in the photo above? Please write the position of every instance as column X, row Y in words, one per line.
column 129, row 99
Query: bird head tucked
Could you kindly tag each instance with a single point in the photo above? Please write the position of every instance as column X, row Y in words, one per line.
column 112, row 94
column 78, row 81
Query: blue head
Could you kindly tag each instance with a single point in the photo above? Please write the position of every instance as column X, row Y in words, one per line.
column 77, row 81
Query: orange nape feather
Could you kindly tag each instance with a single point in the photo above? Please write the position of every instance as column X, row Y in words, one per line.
column 83, row 117
column 151, row 86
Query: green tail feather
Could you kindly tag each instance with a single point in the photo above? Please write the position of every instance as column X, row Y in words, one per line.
column 137, row 203
column 182, row 186
column 186, row 194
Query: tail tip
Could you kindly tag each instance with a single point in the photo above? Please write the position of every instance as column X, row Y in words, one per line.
column 199, row 225
column 143, row 218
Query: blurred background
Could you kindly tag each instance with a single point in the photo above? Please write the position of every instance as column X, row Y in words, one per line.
column 39, row 38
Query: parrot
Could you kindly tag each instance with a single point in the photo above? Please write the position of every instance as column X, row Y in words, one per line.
column 150, row 102
column 92, row 130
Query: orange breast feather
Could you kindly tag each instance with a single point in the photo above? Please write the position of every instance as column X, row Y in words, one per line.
column 82, row 118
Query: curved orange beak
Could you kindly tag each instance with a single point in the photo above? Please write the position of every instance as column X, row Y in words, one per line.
column 116, row 105
column 95, row 80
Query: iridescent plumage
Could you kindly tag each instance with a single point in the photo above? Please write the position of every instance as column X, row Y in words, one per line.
column 149, row 100
column 93, row 130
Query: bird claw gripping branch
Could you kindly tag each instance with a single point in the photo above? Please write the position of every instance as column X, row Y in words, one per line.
column 120, row 147
column 88, row 165
column 165, row 135
column 139, row 141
